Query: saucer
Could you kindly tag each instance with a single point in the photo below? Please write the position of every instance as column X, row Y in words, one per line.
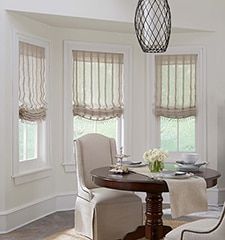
column 133, row 164
column 175, row 175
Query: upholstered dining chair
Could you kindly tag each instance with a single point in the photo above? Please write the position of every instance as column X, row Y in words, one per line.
column 204, row 229
column 102, row 213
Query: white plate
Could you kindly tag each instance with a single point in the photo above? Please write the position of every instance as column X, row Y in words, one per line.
column 173, row 176
column 136, row 165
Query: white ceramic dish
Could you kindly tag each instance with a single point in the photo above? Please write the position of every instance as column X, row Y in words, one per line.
column 190, row 158
column 174, row 176
column 142, row 164
column 190, row 167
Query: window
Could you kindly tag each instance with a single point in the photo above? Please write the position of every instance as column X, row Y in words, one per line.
column 94, row 94
column 30, row 92
column 175, row 103
column 28, row 140
column 178, row 135
column 84, row 126
column 97, row 93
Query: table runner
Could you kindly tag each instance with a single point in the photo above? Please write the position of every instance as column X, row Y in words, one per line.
column 186, row 195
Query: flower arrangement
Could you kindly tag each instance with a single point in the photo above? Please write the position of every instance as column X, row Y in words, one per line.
column 155, row 159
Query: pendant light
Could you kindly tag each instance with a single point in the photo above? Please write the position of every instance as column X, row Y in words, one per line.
column 153, row 25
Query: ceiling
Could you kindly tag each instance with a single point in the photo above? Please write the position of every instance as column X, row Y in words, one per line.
column 87, row 23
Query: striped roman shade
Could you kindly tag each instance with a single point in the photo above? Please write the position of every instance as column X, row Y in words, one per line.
column 176, row 85
column 32, row 78
column 97, row 85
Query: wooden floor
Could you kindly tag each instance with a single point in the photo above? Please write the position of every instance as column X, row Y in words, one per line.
column 57, row 226
column 43, row 228
column 60, row 226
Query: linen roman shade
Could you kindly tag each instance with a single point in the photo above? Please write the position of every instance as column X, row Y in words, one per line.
column 32, row 78
column 97, row 85
column 176, row 85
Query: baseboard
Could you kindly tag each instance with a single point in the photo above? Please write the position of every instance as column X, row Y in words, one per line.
column 18, row 217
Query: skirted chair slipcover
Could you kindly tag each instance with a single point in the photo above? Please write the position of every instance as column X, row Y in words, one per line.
column 102, row 213
column 204, row 229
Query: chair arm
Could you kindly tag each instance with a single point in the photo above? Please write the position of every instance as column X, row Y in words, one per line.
column 214, row 228
column 196, row 232
column 85, row 193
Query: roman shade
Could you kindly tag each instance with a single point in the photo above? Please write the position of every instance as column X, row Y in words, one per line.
column 176, row 85
column 32, row 78
column 97, row 85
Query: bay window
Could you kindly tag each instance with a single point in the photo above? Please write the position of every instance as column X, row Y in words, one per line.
column 30, row 93
column 94, row 94
column 178, row 113
column 97, row 93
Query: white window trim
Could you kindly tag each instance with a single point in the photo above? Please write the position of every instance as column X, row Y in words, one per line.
column 152, row 124
column 69, row 161
column 41, row 168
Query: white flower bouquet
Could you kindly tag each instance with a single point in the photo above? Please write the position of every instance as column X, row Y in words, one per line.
column 155, row 159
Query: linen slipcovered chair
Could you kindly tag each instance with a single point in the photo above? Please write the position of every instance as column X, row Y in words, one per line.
column 102, row 213
column 204, row 229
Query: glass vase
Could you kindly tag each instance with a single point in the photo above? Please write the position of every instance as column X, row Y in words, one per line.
column 156, row 166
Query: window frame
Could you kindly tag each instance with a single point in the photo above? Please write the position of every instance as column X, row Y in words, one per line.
column 178, row 131
column 153, row 139
column 119, row 130
column 30, row 169
column 124, row 124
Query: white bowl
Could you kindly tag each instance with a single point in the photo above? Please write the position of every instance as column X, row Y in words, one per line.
column 190, row 158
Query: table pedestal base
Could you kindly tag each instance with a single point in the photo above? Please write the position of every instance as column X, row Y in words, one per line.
column 153, row 229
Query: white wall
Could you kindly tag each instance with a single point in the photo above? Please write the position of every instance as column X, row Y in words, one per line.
column 200, row 14
column 215, row 84
column 58, row 190
column 2, row 119
column 115, row 10
column 21, row 194
column 60, row 183
column 17, row 199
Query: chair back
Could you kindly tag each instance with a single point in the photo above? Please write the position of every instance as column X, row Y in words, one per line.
column 221, row 222
column 93, row 151
column 214, row 232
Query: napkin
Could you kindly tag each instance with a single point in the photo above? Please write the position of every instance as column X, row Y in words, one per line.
column 186, row 195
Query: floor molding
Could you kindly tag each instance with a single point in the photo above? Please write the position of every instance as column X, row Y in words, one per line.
column 20, row 216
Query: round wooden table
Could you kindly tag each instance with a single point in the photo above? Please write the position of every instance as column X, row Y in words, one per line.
column 153, row 228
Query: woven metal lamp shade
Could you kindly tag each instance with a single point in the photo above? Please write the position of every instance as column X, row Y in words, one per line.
column 153, row 25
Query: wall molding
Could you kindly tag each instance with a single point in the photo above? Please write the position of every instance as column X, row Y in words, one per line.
column 17, row 217
column 32, row 175
column 69, row 167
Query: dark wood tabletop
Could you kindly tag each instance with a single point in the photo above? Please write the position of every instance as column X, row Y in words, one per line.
column 153, row 228
column 141, row 183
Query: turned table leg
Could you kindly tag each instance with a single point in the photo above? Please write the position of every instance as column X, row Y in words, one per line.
column 154, row 228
